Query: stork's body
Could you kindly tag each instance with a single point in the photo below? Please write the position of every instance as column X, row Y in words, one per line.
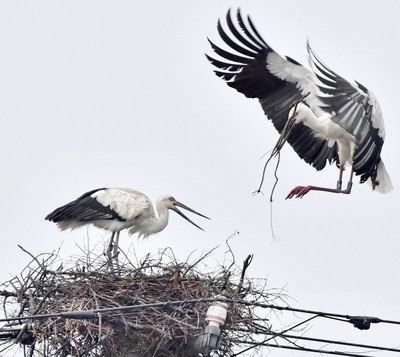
column 326, row 129
column 116, row 209
column 338, row 121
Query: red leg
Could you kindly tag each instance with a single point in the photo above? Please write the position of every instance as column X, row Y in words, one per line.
column 116, row 250
column 110, row 246
column 339, row 182
column 300, row 191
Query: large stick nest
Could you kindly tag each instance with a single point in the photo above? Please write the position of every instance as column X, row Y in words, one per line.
column 89, row 283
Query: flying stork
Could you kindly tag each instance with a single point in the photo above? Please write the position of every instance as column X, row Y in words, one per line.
column 115, row 209
column 320, row 114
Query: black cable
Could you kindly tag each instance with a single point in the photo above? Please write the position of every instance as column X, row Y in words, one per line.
column 335, row 342
column 361, row 322
column 277, row 334
column 303, row 349
column 355, row 320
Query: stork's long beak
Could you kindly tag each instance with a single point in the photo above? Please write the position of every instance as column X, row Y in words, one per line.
column 287, row 128
column 176, row 203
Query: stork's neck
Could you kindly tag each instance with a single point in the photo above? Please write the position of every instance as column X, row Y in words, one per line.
column 306, row 115
column 161, row 222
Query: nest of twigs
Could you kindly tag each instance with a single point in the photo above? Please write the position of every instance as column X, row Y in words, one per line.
column 179, row 294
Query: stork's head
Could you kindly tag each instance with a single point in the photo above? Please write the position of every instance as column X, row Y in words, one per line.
column 169, row 202
column 300, row 112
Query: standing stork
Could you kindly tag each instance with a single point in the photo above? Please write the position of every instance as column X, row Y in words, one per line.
column 332, row 121
column 115, row 209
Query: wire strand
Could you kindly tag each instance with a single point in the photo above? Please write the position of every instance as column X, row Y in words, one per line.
column 84, row 314
column 304, row 349
column 89, row 314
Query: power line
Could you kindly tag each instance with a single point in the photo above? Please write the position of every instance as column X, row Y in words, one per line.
column 335, row 342
column 278, row 334
column 360, row 321
column 89, row 314
column 283, row 334
column 303, row 349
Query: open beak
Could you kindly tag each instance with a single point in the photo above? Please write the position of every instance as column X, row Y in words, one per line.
column 175, row 208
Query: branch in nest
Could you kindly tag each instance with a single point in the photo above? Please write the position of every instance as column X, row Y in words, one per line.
column 7, row 293
column 246, row 264
column 164, row 330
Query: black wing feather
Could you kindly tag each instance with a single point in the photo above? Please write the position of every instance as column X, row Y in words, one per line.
column 351, row 109
column 248, row 74
column 83, row 209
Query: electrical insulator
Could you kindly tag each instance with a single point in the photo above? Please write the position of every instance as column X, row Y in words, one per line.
column 216, row 315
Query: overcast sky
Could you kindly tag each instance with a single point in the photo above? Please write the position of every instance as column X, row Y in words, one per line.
column 119, row 94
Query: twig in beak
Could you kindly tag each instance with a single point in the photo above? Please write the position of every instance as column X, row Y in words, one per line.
column 278, row 146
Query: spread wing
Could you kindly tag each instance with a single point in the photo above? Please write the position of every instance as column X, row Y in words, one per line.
column 253, row 68
column 355, row 109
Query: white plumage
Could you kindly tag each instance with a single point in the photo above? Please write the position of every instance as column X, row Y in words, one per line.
column 115, row 209
column 337, row 122
column 324, row 128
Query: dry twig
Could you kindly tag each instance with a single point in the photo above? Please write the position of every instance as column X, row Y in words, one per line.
column 90, row 285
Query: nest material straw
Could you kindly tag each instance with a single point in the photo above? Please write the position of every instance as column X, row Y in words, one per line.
column 88, row 283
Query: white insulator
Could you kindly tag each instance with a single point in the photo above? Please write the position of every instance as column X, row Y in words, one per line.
column 216, row 313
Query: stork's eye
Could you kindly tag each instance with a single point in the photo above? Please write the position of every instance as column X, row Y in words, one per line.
column 172, row 199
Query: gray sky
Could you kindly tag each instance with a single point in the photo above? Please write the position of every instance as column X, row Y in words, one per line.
column 120, row 94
